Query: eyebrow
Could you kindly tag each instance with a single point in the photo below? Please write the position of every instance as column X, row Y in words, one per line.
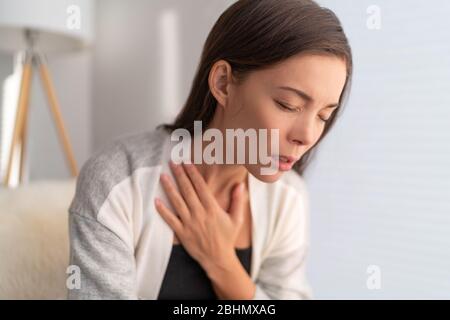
column 305, row 96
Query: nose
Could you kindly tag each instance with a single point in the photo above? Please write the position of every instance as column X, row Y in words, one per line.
column 297, row 142
column 302, row 135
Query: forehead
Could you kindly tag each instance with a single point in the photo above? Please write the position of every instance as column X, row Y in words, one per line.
column 321, row 76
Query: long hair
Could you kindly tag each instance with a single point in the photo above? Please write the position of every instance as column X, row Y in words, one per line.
column 255, row 34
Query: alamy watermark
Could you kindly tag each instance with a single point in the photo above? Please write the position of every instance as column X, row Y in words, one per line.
column 73, row 21
column 213, row 152
column 374, row 19
column 374, row 279
column 73, row 281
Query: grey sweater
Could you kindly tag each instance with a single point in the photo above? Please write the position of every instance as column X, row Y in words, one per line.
column 122, row 246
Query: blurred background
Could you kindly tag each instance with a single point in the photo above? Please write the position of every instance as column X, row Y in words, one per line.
column 379, row 185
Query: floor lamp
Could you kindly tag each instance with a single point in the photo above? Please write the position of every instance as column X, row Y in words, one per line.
column 34, row 60
column 31, row 33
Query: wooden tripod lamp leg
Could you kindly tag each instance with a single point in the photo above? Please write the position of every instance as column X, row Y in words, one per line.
column 23, row 142
column 22, row 108
column 55, row 110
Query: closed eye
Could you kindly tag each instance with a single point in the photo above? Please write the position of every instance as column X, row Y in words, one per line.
column 283, row 106
column 286, row 108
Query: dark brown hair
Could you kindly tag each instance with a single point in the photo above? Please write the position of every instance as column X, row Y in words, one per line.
column 256, row 34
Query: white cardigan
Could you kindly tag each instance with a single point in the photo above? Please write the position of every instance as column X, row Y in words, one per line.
column 122, row 245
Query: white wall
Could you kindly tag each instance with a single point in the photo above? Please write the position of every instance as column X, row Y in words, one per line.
column 145, row 59
column 381, row 184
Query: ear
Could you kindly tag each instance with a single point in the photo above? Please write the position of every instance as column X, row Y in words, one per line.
column 220, row 81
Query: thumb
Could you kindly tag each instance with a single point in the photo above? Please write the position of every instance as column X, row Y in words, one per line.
column 237, row 205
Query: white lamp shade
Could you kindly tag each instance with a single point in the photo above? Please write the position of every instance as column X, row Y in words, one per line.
column 62, row 25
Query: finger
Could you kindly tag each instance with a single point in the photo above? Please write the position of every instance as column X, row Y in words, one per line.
column 187, row 190
column 200, row 185
column 238, row 204
column 172, row 220
column 175, row 197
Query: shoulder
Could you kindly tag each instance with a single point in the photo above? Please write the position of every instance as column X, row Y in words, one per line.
column 114, row 163
column 293, row 187
column 290, row 201
column 297, row 189
column 292, row 180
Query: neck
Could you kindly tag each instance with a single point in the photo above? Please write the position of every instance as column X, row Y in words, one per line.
column 220, row 178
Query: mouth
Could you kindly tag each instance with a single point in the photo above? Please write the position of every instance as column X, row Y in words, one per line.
column 285, row 163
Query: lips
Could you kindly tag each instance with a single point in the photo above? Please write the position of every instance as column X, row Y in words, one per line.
column 287, row 159
column 285, row 163
column 284, row 160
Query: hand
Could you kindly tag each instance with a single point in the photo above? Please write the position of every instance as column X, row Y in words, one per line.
column 206, row 231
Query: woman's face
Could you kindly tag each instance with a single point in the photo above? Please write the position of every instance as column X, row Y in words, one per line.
column 294, row 96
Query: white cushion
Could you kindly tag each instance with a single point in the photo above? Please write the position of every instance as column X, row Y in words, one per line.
column 34, row 245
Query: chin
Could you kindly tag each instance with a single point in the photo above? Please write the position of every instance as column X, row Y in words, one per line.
column 255, row 170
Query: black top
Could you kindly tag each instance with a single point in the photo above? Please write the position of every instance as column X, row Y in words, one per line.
column 185, row 278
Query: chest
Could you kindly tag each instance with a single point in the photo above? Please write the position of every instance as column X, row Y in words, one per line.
column 244, row 239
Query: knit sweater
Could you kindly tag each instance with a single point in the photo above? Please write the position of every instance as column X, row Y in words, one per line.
column 122, row 245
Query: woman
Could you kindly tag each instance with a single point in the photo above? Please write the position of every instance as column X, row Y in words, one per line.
column 143, row 227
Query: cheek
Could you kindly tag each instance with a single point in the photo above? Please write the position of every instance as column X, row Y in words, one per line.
column 267, row 115
column 245, row 114
column 261, row 113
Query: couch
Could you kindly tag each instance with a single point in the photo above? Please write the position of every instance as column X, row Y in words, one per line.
column 34, row 245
